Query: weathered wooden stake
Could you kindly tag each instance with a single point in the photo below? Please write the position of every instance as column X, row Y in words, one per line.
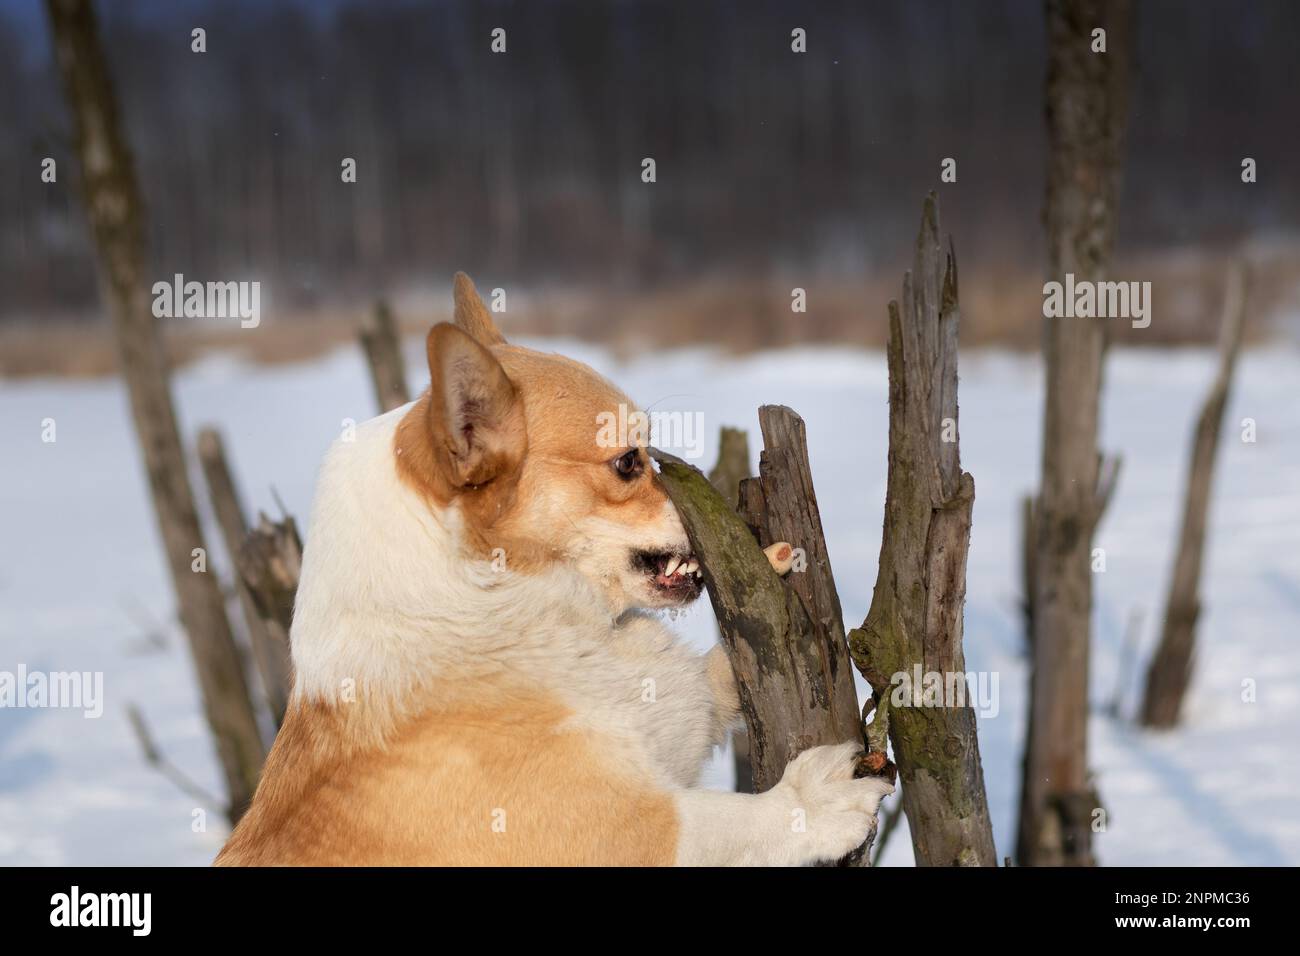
column 1028, row 562
column 115, row 211
column 383, row 350
column 915, row 620
column 781, row 505
column 731, row 468
column 1170, row 670
column 270, row 564
column 784, row 667
column 270, row 650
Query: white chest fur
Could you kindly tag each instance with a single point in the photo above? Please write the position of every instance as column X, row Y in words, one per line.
column 387, row 604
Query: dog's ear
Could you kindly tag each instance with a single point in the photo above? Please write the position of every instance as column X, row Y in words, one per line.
column 472, row 316
column 475, row 414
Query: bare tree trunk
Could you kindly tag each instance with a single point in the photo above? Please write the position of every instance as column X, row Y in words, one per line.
column 1171, row 667
column 383, row 348
column 915, row 618
column 114, row 209
column 270, row 650
column 730, row 470
column 1086, row 109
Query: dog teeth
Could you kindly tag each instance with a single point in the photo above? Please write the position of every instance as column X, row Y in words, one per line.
column 671, row 567
column 691, row 567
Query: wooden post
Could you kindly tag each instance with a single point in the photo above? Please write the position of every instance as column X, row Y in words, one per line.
column 1170, row 670
column 1028, row 562
column 733, row 463
column 1086, row 111
column 915, row 620
column 788, row 684
column 731, row 469
column 1127, row 664
column 781, row 505
column 383, row 348
column 115, row 212
column 270, row 564
column 270, row 650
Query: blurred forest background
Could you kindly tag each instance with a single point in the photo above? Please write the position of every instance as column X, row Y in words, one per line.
column 775, row 169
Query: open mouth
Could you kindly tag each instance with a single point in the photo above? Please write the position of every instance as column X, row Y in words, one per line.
column 672, row 573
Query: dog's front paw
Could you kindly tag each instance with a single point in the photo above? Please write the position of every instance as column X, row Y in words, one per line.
column 830, row 813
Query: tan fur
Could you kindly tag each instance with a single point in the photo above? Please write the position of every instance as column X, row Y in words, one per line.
column 562, row 465
column 431, row 795
column 343, row 785
column 471, row 315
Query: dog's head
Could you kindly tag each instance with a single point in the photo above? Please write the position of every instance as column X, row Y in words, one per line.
column 546, row 461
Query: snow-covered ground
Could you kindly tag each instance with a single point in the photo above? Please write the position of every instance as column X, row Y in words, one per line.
column 82, row 583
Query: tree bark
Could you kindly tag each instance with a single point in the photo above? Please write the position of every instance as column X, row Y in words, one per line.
column 1086, row 110
column 781, row 505
column 785, row 680
column 915, row 618
column 270, row 649
column 792, row 692
column 114, row 209
column 270, row 565
column 1028, row 564
column 1170, row 670
column 731, row 469
column 383, row 349
column 733, row 464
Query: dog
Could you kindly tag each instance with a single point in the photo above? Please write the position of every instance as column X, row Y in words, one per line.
column 479, row 675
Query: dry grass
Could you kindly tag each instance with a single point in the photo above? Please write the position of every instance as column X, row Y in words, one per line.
column 1001, row 305
column 83, row 349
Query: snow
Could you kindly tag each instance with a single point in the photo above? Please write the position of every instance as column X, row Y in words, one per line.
column 82, row 583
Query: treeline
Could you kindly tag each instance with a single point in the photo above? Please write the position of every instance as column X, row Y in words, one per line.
column 527, row 165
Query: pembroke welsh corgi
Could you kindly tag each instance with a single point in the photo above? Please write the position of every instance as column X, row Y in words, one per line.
column 478, row 677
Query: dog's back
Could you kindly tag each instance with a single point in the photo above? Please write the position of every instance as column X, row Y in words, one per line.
column 493, row 783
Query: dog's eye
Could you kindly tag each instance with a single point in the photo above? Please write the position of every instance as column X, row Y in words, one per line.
column 628, row 465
